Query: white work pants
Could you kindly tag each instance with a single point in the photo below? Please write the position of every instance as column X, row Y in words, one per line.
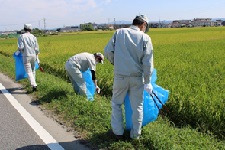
column 29, row 65
column 134, row 87
column 75, row 76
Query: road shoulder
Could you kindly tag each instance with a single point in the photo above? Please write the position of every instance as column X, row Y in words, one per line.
column 63, row 135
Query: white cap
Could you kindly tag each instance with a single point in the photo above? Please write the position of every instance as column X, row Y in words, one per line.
column 28, row 26
column 142, row 17
column 100, row 56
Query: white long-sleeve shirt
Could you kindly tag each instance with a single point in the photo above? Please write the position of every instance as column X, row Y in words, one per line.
column 84, row 61
column 27, row 44
column 131, row 52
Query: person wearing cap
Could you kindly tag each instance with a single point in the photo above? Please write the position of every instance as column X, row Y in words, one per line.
column 130, row 50
column 79, row 63
column 28, row 45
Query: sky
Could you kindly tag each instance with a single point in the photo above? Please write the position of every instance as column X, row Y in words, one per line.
column 60, row 13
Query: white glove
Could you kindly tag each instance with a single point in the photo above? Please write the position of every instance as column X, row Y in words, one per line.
column 148, row 88
column 98, row 89
column 17, row 53
column 38, row 61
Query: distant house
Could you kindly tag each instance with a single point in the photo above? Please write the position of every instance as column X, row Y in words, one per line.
column 69, row 29
column 203, row 22
column 218, row 23
column 112, row 26
column 223, row 23
column 181, row 23
column 117, row 26
column 175, row 24
column 8, row 32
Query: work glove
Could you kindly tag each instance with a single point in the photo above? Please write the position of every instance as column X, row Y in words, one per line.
column 37, row 59
column 98, row 89
column 40, row 67
column 17, row 52
column 148, row 88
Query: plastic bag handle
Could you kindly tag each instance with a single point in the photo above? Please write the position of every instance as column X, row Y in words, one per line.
column 159, row 101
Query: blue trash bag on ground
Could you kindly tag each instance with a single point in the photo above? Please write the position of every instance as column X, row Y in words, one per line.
column 90, row 86
column 19, row 67
column 151, row 106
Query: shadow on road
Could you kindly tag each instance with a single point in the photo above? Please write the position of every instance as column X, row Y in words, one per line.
column 73, row 145
column 17, row 90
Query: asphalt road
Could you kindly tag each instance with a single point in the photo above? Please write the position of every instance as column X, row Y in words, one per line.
column 23, row 126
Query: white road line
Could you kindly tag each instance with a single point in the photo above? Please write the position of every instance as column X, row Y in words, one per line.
column 44, row 135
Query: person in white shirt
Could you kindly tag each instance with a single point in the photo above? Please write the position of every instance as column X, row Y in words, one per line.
column 28, row 45
column 130, row 50
column 79, row 63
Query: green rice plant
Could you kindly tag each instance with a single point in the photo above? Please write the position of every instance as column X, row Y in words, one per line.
column 194, row 74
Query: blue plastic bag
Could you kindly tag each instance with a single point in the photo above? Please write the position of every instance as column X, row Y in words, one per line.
column 19, row 67
column 90, row 86
column 150, row 109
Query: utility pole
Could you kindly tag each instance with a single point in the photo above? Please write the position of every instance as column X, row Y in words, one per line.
column 114, row 23
column 44, row 24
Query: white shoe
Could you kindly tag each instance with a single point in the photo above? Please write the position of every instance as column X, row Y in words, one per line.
column 135, row 137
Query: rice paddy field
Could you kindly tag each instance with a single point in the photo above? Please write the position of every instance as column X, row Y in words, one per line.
column 190, row 63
